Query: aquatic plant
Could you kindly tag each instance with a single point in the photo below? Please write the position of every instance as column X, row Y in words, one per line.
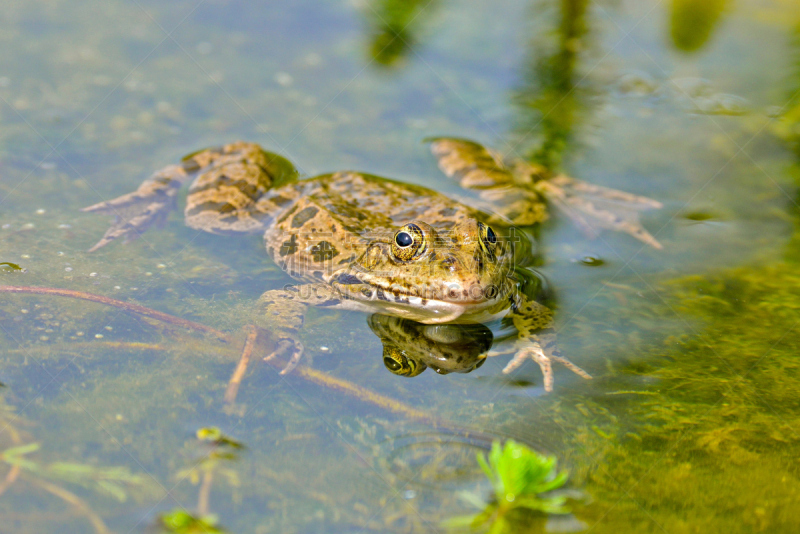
column 521, row 479
column 222, row 449
column 111, row 481
column 182, row 522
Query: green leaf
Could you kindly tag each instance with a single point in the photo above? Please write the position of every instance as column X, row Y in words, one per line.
column 210, row 433
column 491, row 474
column 8, row 267
column 555, row 483
column 548, row 505
column 107, row 480
column 499, row 526
column 113, row 489
column 459, row 522
column 214, row 435
column 21, row 450
column 14, row 456
column 24, row 464
column 484, row 516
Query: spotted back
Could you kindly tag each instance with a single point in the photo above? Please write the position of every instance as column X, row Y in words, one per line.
column 330, row 222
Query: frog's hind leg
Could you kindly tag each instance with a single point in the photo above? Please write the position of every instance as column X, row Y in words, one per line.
column 224, row 198
column 592, row 207
column 517, row 190
column 235, row 192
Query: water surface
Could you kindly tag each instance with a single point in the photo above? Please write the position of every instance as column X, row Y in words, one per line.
column 691, row 421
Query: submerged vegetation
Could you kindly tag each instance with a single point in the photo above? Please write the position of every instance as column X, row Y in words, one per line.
column 28, row 473
column 715, row 432
column 221, row 451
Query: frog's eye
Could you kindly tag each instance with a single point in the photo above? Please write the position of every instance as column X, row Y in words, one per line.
column 403, row 239
column 409, row 243
column 490, row 235
column 397, row 363
column 488, row 238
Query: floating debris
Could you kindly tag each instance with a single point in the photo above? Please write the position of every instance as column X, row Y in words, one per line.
column 284, row 78
column 591, row 261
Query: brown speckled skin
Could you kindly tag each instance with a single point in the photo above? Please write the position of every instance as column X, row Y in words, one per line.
column 336, row 234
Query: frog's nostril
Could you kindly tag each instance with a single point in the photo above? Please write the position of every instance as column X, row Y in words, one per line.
column 450, row 263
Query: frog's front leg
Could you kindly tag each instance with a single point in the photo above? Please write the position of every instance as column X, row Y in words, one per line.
column 537, row 341
column 281, row 312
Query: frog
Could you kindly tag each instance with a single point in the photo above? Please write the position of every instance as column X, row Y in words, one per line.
column 409, row 347
column 360, row 242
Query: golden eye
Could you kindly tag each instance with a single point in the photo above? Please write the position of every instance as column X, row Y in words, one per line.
column 397, row 363
column 409, row 243
column 393, row 365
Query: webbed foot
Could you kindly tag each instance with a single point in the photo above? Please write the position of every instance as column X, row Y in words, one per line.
column 136, row 212
column 593, row 207
column 533, row 349
column 537, row 341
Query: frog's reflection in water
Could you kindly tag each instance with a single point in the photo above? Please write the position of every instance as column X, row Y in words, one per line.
column 410, row 347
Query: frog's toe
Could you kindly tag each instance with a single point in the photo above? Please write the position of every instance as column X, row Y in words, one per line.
column 593, row 207
column 545, row 361
column 571, row 366
column 287, row 349
column 134, row 214
column 535, row 353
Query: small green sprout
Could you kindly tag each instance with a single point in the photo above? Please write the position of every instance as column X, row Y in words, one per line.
column 520, row 478
column 182, row 522
column 220, row 449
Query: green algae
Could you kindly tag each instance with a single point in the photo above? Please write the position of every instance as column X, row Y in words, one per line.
column 717, row 434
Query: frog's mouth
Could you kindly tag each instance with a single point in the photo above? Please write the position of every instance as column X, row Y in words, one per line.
column 431, row 304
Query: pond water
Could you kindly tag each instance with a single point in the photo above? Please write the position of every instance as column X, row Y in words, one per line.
column 692, row 420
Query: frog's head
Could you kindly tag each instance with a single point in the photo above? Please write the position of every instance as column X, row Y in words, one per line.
column 410, row 347
column 431, row 275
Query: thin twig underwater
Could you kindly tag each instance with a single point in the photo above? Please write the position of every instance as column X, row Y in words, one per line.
column 135, row 308
column 311, row 375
